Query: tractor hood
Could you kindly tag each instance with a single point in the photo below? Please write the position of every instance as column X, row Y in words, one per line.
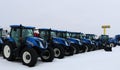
column 61, row 41
column 74, row 41
column 86, row 41
column 36, row 42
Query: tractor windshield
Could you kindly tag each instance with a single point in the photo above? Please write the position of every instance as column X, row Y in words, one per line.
column 44, row 34
column 68, row 35
column 82, row 36
column 53, row 34
column 73, row 35
column 27, row 33
column 61, row 34
column 91, row 37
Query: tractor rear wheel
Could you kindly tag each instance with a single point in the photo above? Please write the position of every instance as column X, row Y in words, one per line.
column 8, row 51
column 29, row 57
column 47, row 55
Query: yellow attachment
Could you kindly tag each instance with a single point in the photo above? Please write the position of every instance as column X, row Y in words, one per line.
column 104, row 28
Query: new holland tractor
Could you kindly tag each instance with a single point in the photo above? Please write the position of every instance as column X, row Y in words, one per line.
column 81, row 37
column 88, row 44
column 23, row 45
column 1, row 41
column 92, row 38
column 74, row 42
column 104, row 42
column 60, row 45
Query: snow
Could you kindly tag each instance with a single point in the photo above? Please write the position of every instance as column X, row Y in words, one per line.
column 96, row 60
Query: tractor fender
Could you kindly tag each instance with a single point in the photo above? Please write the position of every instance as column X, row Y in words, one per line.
column 10, row 39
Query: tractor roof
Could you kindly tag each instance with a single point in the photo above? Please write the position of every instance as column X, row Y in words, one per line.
column 61, row 31
column 18, row 26
column 46, row 29
column 91, row 34
column 75, row 32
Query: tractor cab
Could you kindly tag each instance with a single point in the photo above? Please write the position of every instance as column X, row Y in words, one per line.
column 51, row 36
column 91, row 36
column 22, row 44
column 20, row 34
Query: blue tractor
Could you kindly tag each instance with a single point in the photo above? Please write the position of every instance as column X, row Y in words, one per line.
column 74, row 42
column 92, row 38
column 23, row 45
column 104, row 43
column 86, row 42
column 60, row 45
column 1, row 41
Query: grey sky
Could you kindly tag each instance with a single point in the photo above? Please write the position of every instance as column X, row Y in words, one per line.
column 72, row 15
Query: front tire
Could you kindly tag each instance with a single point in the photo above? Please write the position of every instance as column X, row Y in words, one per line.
column 47, row 55
column 69, row 51
column 59, row 52
column 29, row 57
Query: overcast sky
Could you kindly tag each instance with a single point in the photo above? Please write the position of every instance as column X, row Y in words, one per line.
column 73, row 15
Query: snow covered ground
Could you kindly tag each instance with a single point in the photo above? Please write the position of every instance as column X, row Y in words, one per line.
column 96, row 60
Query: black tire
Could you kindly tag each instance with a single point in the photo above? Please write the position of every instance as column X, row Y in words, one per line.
column 76, row 49
column 69, row 51
column 59, row 52
column 47, row 55
column 108, row 49
column 29, row 57
column 111, row 44
column 7, row 51
column 84, row 48
column 1, row 48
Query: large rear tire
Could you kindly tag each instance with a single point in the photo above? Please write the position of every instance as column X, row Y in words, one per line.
column 47, row 55
column 8, row 51
column 29, row 57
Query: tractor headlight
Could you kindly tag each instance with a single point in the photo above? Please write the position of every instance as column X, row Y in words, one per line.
column 67, row 43
column 1, row 41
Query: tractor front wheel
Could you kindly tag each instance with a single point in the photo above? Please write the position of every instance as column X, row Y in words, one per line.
column 47, row 55
column 29, row 57
column 59, row 52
